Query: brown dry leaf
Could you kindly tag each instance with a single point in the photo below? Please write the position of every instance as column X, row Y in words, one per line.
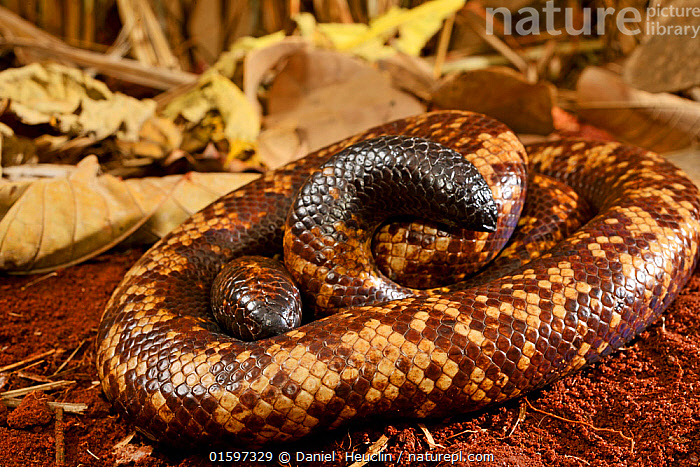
column 279, row 145
column 411, row 74
column 660, row 122
column 501, row 93
column 260, row 61
column 689, row 161
column 668, row 59
column 64, row 220
column 325, row 96
column 47, row 223
column 14, row 150
column 157, row 138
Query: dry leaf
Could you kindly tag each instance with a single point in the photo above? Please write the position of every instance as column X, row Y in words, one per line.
column 501, row 93
column 659, row 122
column 217, row 110
column 279, row 144
column 72, row 102
column 324, row 96
column 158, row 137
column 260, row 61
column 47, row 223
column 61, row 221
column 14, row 150
column 668, row 59
column 186, row 194
column 411, row 74
column 229, row 61
column 415, row 27
column 689, row 161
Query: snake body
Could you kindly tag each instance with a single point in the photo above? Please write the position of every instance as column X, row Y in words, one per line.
column 171, row 371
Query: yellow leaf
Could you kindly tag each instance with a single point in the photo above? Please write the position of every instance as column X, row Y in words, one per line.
column 217, row 95
column 415, row 27
column 228, row 62
column 421, row 23
column 356, row 38
column 72, row 102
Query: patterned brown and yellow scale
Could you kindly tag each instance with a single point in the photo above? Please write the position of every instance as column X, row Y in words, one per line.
column 179, row 379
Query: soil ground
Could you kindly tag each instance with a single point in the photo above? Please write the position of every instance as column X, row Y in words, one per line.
column 638, row 407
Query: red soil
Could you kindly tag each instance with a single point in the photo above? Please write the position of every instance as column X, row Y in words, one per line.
column 638, row 407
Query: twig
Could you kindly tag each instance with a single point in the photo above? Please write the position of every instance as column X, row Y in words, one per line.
column 60, row 446
column 481, row 430
column 429, row 436
column 38, row 387
column 376, row 447
column 38, row 279
column 93, row 455
column 502, row 48
column 70, row 357
column 31, row 376
column 21, row 363
column 522, row 410
column 586, row 424
column 67, row 407
column 123, row 442
column 532, row 53
column 443, row 44
column 120, row 68
column 566, row 456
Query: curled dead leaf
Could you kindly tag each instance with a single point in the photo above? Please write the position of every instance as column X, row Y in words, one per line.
column 64, row 220
column 411, row 74
column 72, row 102
column 14, row 150
column 260, row 61
column 323, row 96
column 501, row 93
column 216, row 111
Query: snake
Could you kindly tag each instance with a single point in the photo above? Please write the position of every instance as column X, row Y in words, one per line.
column 169, row 369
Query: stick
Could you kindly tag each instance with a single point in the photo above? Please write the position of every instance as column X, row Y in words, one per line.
column 60, row 447
column 38, row 387
column 70, row 357
column 67, row 407
column 21, row 363
column 444, row 42
column 38, row 279
column 631, row 440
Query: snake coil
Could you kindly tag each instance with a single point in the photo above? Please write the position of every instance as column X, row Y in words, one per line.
column 171, row 371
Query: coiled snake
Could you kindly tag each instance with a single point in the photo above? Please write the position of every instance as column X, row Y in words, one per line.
column 171, row 371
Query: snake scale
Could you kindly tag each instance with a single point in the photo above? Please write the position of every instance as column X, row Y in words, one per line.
column 170, row 370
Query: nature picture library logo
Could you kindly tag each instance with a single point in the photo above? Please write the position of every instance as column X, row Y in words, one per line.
column 657, row 19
